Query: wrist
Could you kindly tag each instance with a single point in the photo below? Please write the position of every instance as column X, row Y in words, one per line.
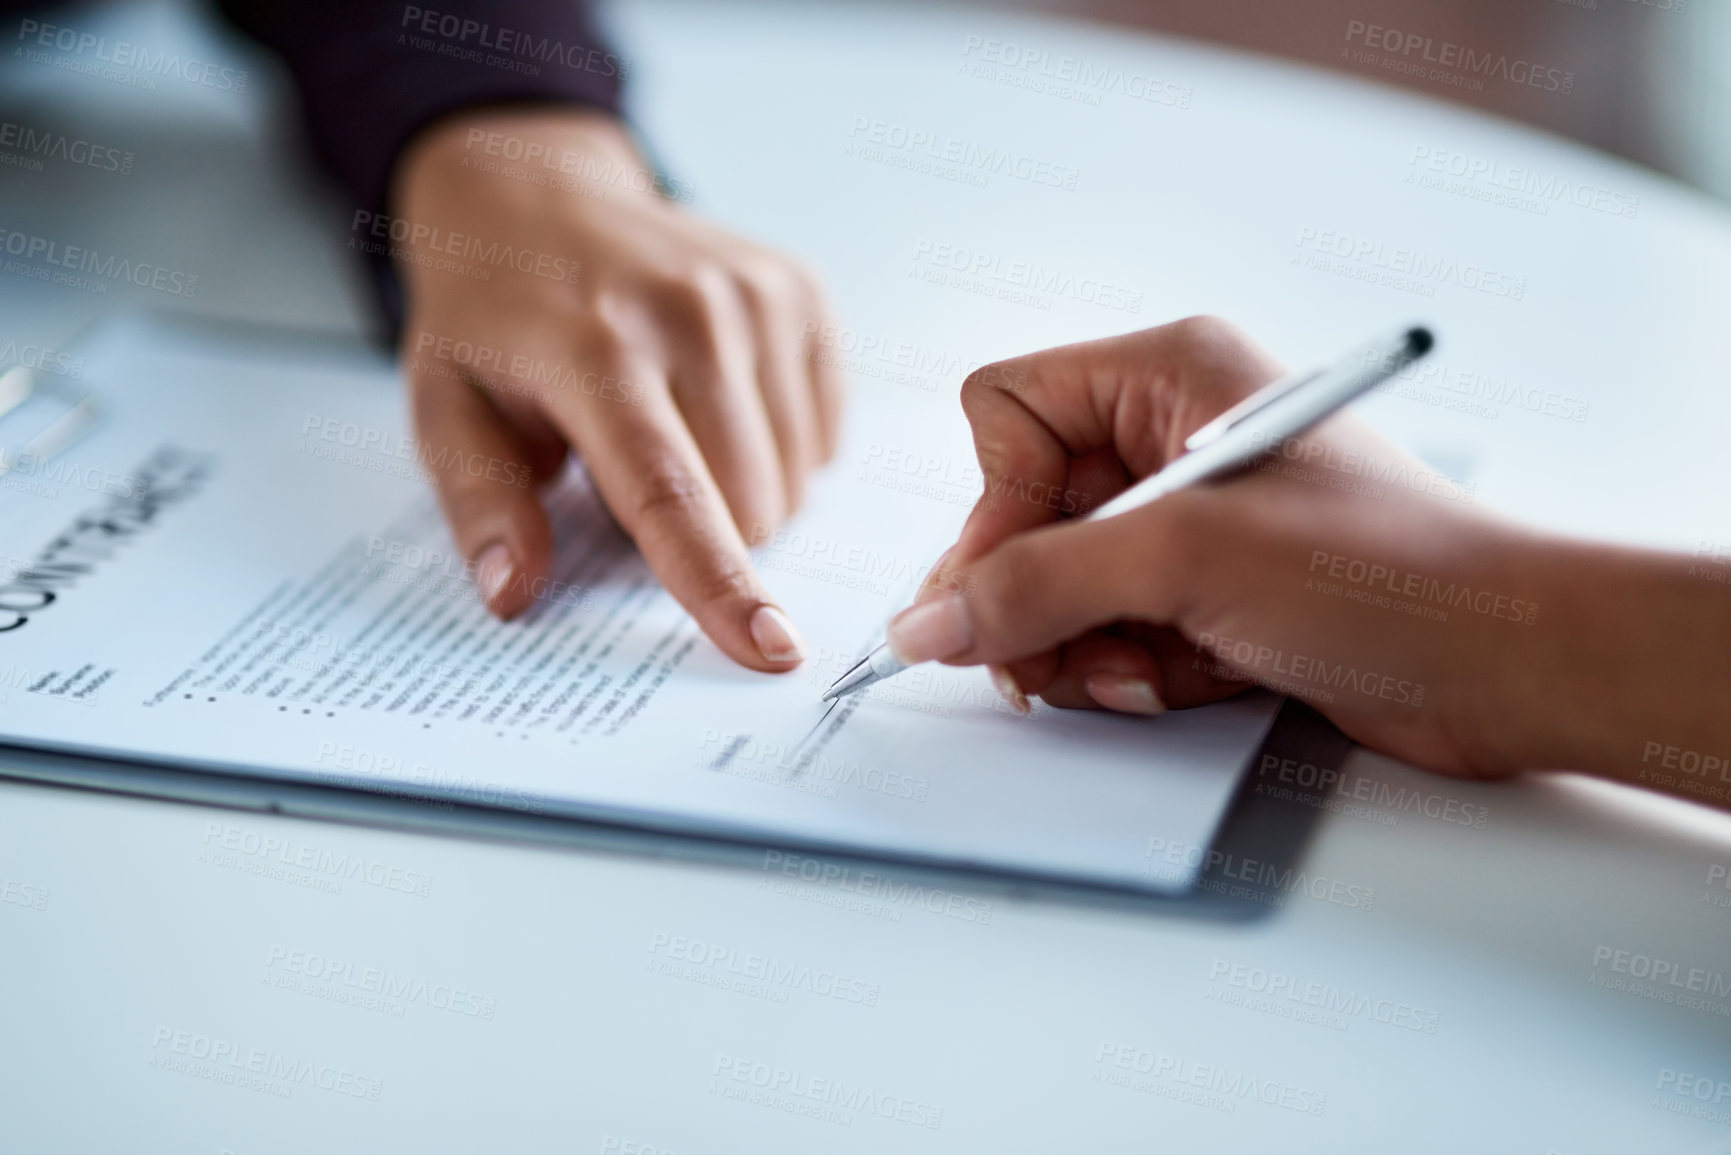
column 567, row 150
column 1621, row 673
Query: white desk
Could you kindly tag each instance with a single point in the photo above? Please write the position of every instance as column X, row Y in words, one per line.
column 136, row 933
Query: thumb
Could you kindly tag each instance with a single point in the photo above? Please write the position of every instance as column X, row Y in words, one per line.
column 1047, row 586
column 484, row 471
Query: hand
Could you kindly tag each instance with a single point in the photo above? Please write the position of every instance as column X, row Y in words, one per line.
column 1340, row 570
column 557, row 302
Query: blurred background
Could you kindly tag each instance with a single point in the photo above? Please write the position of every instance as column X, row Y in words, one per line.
column 1652, row 78
column 1647, row 80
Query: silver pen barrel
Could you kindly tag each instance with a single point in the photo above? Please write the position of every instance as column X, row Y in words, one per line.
column 881, row 663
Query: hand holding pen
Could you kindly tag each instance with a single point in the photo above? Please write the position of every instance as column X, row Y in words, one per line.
column 1333, row 566
column 1150, row 604
column 1247, row 431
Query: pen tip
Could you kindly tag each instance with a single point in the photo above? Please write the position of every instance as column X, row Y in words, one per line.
column 1419, row 340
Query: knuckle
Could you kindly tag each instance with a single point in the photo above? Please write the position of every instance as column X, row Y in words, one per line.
column 808, row 283
column 972, row 384
column 1220, row 363
column 977, row 386
column 767, row 281
column 1009, row 468
column 809, row 296
column 712, row 280
column 1204, row 332
column 725, row 584
column 602, row 345
column 470, row 506
column 1014, row 376
column 693, row 297
column 667, row 489
column 701, row 308
column 1214, row 346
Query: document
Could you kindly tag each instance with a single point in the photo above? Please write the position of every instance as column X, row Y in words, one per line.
column 242, row 568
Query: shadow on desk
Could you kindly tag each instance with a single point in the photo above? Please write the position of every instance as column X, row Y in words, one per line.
column 1253, row 869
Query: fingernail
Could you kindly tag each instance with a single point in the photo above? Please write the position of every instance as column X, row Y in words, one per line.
column 775, row 636
column 492, row 570
column 1125, row 694
column 1006, row 684
column 934, row 629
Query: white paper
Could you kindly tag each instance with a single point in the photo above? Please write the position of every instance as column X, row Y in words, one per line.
column 243, row 568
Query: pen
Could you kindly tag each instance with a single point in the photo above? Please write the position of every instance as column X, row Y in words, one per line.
column 1256, row 425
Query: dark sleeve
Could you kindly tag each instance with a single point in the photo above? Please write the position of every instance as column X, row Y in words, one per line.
column 373, row 73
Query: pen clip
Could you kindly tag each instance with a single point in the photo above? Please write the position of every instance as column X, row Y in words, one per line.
column 1255, row 403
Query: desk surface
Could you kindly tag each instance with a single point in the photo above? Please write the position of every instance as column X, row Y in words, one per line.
column 1555, row 979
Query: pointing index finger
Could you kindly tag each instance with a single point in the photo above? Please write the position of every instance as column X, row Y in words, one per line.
column 650, row 472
